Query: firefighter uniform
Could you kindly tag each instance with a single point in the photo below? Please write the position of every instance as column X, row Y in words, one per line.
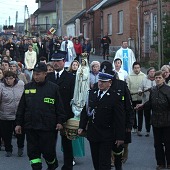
column 39, row 111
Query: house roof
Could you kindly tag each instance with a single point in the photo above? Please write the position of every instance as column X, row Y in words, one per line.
column 48, row 7
column 79, row 15
column 110, row 2
column 90, row 10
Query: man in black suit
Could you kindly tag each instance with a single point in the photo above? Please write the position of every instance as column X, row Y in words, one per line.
column 66, row 82
column 104, row 118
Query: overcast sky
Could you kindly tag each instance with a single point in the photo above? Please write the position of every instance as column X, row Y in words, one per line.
column 9, row 8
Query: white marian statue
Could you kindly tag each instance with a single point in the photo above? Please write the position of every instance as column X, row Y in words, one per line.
column 81, row 87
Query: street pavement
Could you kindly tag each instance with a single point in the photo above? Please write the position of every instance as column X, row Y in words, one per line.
column 141, row 156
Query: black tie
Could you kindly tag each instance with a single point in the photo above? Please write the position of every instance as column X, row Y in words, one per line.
column 57, row 77
column 99, row 96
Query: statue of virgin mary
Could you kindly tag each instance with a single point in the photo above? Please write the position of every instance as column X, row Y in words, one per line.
column 81, row 86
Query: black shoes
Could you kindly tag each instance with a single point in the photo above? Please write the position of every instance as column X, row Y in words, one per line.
column 20, row 152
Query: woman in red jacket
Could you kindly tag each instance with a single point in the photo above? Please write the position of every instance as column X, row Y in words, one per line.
column 78, row 49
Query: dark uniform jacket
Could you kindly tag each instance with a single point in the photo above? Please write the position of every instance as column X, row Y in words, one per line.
column 120, row 88
column 159, row 102
column 66, row 84
column 40, row 107
column 105, row 119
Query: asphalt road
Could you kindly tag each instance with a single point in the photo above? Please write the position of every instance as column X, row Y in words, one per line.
column 141, row 157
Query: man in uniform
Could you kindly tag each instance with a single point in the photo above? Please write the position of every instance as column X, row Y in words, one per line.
column 120, row 88
column 105, row 118
column 41, row 113
column 66, row 82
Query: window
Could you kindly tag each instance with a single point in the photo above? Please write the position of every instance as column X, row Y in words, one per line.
column 120, row 22
column 154, row 27
column 109, row 24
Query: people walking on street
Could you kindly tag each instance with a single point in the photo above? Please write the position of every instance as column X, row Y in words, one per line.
column 134, row 81
column 120, row 155
column 159, row 103
column 144, row 91
column 127, row 56
column 94, row 74
column 66, row 82
column 105, row 117
column 121, row 73
column 41, row 114
column 78, row 49
column 105, row 42
column 11, row 90
column 166, row 70
column 86, row 48
column 68, row 46
column 30, row 60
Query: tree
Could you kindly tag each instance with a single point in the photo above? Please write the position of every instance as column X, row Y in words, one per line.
column 166, row 34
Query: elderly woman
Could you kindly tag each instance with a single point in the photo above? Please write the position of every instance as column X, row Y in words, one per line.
column 95, row 67
column 159, row 102
column 166, row 70
column 11, row 90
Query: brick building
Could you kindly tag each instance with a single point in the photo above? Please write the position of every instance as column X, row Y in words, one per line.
column 120, row 22
column 148, row 26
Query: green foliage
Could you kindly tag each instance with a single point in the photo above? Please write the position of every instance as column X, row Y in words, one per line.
column 166, row 36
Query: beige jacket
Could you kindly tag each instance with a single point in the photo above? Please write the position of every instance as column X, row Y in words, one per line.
column 134, row 82
column 30, row 59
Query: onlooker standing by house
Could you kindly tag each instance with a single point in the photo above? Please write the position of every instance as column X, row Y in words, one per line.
column 106, row 41
column 166, row 70
column 30, row 61
column 147, row 83
column 78, row 49
column 121, row 73
column 10, row 93
column 127, row 56
column 87, row 47
column 134, row 81
column 94, row 74
column 159, row 102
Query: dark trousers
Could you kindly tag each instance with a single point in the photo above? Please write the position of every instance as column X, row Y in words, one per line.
column 67, row 153
column 140, row 117
column 105, row 51
column 6, row 128
column 101, row 152
column 147, row 114
column 162, row 145
column 41, row 142
column 20, row 137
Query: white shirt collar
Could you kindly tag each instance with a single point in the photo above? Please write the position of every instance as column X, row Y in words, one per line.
column 60, row 72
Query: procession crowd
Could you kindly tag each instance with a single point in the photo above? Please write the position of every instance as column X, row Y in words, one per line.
column 48, row 82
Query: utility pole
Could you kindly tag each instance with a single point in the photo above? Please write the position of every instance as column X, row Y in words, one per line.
column 9, row 20
column 160, row 35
